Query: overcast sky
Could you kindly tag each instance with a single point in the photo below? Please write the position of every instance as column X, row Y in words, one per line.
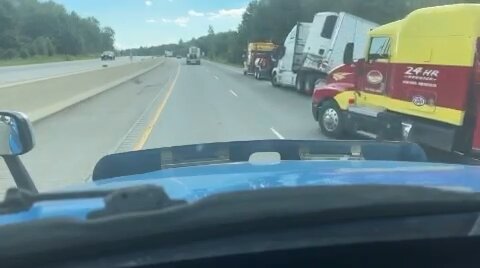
column 155, row 22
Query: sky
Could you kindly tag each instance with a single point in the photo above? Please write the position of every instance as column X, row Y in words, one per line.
column 155, row 22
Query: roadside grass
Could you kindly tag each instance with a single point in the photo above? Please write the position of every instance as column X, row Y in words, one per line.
column 223, row 61
column 44, row 59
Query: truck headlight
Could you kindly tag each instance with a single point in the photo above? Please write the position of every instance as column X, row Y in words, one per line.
column 406, row 128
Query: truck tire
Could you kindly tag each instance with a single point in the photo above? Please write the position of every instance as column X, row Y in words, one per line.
column 330, row 120
column 299, row 84
column 244, row 72
column 274, row 80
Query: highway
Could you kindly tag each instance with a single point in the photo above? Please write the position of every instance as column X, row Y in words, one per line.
column 24, row 73
column 174, row 104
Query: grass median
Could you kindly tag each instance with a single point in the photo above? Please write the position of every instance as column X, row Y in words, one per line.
column 45, row 59
column 42, row 98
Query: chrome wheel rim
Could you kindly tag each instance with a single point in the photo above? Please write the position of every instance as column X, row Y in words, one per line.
column 330, row 119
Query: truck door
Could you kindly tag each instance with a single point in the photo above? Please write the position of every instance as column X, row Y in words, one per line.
column 476, row 102
column 374, row 80
column 286, row 62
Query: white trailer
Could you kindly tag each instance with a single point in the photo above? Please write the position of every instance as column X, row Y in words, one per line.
column 194, row 55
column 312, row 50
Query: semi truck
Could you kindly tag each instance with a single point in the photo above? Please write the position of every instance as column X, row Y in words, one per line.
column 258, row 61
column 312, row 50
column 418, row 81
column 194, row 56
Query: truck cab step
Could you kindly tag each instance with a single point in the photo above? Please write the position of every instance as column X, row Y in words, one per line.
column 368, row 111
column 367, row 134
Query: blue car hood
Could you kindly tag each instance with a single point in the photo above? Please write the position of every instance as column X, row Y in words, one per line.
column 193, row 183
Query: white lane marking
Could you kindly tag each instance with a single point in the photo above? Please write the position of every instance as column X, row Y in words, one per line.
column 233, row 93
column 226, row 67
column 277, row 133
column 216, row 77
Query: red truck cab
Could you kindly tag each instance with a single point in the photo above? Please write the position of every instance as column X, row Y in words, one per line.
column 419, row 81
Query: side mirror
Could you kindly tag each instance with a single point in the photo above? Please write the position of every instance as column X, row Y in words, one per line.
column 16, row 138
column 348, row 53
column 478, row 46
column 15, row 134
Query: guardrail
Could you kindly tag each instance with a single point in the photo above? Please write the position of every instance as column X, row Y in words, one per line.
column 41, row 99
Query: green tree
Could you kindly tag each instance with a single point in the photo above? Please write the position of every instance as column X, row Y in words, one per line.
column 33, row 27
column 211, row 31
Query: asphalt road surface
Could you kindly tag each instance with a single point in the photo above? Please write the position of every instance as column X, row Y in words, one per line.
column 214, row 102
column 24, row 73
column 175, row 104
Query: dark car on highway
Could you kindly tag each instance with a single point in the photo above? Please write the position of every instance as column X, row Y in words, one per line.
column 108, row 55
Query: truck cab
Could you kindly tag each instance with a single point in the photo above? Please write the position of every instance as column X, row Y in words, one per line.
column 418, row 81
column 312, row 50
column 284, row 74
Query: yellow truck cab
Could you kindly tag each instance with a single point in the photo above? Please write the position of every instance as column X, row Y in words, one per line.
column 419, row 81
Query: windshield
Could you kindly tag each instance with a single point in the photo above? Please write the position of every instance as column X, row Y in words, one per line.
column 102, row 77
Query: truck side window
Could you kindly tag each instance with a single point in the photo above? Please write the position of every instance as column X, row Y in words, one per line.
column 329, row 26
column 379, row 48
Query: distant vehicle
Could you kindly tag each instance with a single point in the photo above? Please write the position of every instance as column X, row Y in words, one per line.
column 194, row 55
column 108, row 55
column 258, row 59
column 312, row 50
column 416, row 82
column 168, row 54
column 179, row 56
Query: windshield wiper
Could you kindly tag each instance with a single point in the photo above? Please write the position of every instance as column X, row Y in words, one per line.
column 131, row 199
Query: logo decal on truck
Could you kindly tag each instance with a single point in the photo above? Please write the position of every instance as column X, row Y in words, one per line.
column 375, row 77
column 419, row 100
column 419, row 76
column 340, row 76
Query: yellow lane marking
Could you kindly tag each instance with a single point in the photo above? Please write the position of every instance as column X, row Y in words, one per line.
column 148, row 131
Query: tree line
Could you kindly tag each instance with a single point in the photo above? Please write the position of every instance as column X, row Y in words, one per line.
column 31, row 27
column 272, row 20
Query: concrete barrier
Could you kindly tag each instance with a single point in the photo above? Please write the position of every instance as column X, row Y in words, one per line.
column 43, row 98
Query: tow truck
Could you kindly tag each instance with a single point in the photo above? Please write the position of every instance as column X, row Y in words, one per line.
column 259, row 51
column 419, row 82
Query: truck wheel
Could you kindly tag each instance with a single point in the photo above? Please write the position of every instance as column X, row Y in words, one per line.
column 330, row 120
column 299, row 84
column 244, row 72
column 274, row 80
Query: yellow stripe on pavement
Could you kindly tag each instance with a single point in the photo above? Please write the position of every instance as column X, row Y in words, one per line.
column 148, row 130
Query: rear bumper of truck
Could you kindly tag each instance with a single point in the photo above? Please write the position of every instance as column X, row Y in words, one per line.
column 193, row 61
